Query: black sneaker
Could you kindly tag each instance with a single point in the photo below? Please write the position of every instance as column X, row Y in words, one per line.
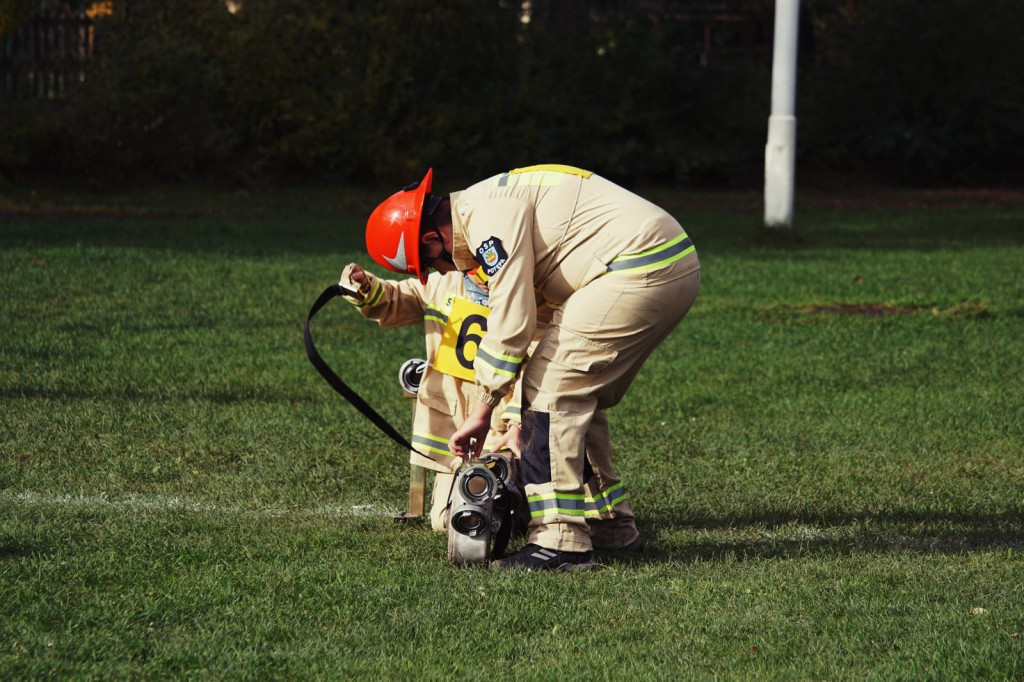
column 536, row 558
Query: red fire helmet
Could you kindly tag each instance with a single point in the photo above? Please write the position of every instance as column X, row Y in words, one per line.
column 393, row 229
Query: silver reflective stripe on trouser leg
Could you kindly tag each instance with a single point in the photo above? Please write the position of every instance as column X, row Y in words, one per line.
column 651, row 259
column 552, row 475
column 427, row 425
column 609, row 514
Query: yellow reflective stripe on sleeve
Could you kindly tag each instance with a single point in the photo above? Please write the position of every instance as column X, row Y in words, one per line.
column 374, row 297
column 513, row 412
column 501, row 364
column 435, row 314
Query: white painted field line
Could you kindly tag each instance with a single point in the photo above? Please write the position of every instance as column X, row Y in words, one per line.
column 164, row 503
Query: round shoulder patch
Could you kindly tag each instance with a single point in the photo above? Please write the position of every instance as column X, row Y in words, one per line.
column 491, row 256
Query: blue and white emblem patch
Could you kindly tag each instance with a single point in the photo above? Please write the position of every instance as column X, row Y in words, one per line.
column 491, row 255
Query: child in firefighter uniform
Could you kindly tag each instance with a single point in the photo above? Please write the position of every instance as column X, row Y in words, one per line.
column 453, row 310
column 620, row 273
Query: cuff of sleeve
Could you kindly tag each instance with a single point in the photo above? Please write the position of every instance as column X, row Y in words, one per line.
column 512, row 414
column 486, row 397
column 373, row 293
column 359, row 299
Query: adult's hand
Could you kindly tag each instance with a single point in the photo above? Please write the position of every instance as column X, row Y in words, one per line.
column 469, row 439
column 510, row 439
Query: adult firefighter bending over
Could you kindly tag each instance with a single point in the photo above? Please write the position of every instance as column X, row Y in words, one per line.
column 619, row 271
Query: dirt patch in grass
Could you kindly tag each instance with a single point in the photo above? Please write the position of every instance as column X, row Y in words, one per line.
column 807, row 314
column 967, row 309
column 862, row 309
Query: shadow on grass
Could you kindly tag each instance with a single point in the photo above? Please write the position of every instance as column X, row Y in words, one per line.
column 781, row 535
column 14, row 549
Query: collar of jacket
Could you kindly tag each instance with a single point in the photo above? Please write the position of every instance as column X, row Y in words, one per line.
column 462, row 253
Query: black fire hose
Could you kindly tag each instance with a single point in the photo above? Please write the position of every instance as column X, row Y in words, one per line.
column 340, row 386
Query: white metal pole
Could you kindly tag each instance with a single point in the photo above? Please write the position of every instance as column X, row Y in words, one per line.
column 780, row 152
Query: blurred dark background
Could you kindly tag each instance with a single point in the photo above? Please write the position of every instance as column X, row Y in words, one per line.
column 672, row 92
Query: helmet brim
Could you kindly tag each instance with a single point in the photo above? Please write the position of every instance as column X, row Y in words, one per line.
column 394, row 228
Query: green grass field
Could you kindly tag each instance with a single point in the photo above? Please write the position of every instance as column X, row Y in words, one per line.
column 825, row 459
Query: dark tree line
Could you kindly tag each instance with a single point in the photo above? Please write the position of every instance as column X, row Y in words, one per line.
column 668, row 91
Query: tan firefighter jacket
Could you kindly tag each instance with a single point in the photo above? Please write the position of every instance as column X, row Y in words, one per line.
column 443, row 400
column 542, row 233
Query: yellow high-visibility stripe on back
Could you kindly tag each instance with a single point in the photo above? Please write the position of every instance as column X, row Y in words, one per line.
column 554, row 168
column 544, row 175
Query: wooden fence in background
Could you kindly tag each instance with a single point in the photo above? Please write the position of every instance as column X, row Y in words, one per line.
column 46, row 57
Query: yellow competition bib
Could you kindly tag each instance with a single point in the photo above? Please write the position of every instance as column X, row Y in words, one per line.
column 467, row 325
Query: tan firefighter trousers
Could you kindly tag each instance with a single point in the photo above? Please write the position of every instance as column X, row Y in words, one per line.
column 584, row 364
